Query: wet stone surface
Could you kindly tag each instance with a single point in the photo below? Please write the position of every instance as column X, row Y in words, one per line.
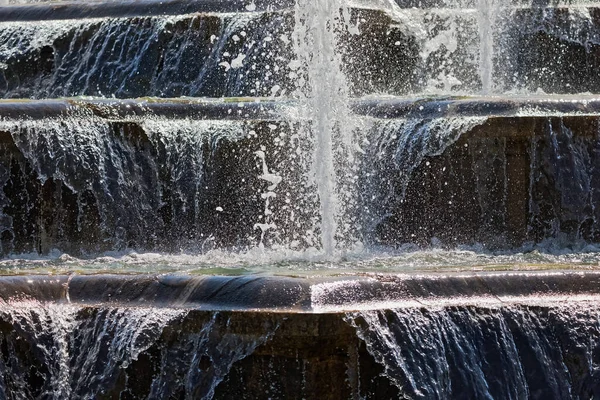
column 434, row 51
column 503, row 182
column 61, row 351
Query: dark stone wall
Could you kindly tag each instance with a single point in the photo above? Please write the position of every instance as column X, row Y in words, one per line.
column 504, row 182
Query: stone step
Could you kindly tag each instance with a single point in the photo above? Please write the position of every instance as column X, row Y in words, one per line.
column 65, row 10
column 308, row 294
column 208, row 53
column 140, row 337
column 88, row 176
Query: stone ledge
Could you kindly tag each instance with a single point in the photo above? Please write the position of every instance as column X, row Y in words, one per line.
column 121, row 9
column 479, row 106
column 305, row 294
column 246, row 108
column 206, row 109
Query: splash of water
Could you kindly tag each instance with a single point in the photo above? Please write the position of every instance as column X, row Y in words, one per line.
column 487, row 16
column 323, row 88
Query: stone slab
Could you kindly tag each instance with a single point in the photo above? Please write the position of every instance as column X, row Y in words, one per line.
column 373, row 337
column 307, row 294
column 63, row 10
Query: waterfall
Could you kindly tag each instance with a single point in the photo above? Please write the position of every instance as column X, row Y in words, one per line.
column 127, row 173
column 79, row 356
column 144, row 56
column 513, row 352
column 562, row 201
column 398, row 147
column 79, row 352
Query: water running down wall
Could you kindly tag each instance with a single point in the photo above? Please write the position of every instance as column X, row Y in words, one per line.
column 313, row 54
column 59, row 351
column 323, row 177
column 478, row 352
column 515, row 352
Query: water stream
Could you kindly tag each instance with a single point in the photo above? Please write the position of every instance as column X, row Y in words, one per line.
column 79, row 352
column 325, row 90
column 331, row 137
column 441, row 353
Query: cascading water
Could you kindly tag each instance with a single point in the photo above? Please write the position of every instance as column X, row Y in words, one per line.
column 86, row 353
column 145, row 56
column 275, row 138
column 408, row 142
column 94, row 160
column 58, row 336
column 441, row 353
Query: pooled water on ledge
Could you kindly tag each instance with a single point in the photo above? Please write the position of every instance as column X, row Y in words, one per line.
column 549, row 256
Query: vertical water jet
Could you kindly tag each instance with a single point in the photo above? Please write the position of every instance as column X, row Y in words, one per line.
column 487, row 14
column 323, row 88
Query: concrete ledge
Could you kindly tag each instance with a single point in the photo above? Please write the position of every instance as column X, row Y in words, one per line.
column 210, row 292
column 499, row 106
column 133, row 8
column 255, row 109
column 310, row 294
column 271, row 109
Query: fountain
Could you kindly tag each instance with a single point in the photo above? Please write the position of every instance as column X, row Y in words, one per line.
column 382, row 198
